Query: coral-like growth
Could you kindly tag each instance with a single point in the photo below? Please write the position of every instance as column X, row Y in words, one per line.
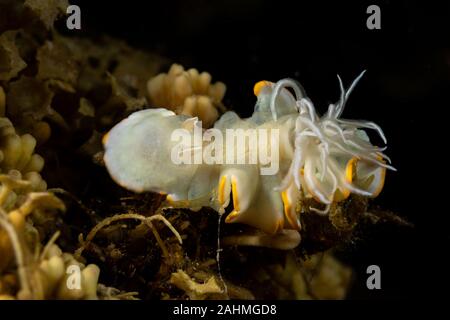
column 47, row 11
column 193, row 289
column 320, row 276
column 187, row 92
column 38, row 272
column 18, row 160
column 28, row 270
column 19, row 239
column 17, row 151
column 10, row 61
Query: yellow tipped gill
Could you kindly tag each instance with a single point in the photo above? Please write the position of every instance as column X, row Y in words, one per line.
column 221, row 190
column 105, row 138
column 289, row 210
column 259, row 85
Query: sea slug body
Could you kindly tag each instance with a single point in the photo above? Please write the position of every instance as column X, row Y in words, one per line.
column 325, row 157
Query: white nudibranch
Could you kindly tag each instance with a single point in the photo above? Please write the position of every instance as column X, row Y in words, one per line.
column 324, row 157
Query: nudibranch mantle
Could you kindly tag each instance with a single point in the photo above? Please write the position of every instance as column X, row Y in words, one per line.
column 324, row 157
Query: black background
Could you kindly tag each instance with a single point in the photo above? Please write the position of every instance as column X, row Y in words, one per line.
column 405, row 90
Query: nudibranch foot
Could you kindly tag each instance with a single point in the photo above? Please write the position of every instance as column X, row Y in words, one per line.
column 283, row 240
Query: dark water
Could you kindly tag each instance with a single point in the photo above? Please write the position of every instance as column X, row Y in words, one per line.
column 405, row 90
